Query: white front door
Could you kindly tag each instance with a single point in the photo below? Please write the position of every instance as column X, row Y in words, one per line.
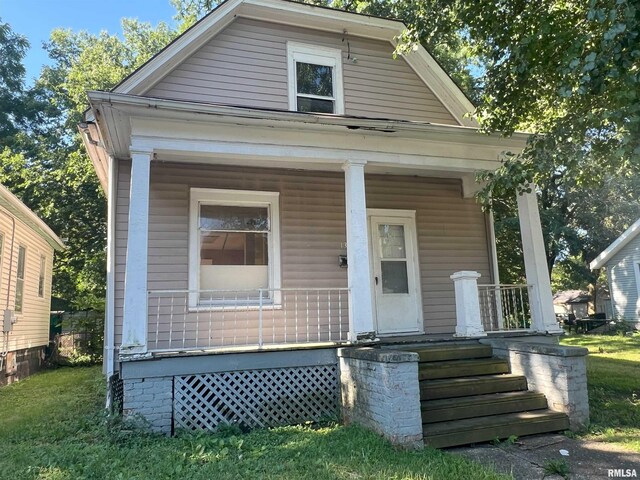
column 396, row 276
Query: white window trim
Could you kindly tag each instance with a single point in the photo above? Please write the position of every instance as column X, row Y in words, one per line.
column 330, row 57
column 239, row 198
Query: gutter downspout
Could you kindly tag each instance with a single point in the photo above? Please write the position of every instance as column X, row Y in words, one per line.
column 109, row 325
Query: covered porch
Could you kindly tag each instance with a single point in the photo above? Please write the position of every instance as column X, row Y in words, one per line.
column 271, row 267
column 405, row 250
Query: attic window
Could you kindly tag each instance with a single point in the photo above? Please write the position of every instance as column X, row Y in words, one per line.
column 315, row 79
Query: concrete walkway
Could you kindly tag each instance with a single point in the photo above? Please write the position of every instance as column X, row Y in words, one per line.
column 526, row 458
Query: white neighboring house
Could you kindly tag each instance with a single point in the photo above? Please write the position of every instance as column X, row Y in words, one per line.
column 622, row 261
column 27, row 247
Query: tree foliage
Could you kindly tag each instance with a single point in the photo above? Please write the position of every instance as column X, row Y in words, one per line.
column 42, row 158
column 13, row 108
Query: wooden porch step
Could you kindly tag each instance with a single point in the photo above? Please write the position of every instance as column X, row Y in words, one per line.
column 462, row 368
column 484, row 429
column 449, row 409
column 452, row 352
column 467, row 386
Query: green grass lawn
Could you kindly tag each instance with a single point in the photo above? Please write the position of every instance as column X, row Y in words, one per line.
column 52, row 427
column 613, row 370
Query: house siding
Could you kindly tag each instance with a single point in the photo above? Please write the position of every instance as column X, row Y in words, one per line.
column 451, row 230
column 32, row 325
column 623, row 276
column 246, row 65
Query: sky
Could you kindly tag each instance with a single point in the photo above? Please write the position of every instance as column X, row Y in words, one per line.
column 35, row 19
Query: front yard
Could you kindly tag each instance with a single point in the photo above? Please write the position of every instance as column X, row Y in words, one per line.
column 51, row 427
column 613, row 370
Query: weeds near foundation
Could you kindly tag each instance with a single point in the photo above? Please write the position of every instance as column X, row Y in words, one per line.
column 506, row 442
column 556, row 467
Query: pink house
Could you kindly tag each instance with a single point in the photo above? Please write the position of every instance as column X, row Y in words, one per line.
column 289, row 203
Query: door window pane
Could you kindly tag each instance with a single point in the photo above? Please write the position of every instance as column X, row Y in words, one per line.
column 394, row 277
column 392, row 241
column 223, row 217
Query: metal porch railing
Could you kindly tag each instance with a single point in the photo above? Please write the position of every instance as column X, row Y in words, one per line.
column 505, row 307
column 202, row 320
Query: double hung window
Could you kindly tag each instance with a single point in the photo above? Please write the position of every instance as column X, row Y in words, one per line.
column 234, row 247
column 315, row 79
column 19, row 298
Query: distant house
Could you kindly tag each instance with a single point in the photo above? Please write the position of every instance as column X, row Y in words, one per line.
column 622, row 261
column 572, row 302
column 27, row 246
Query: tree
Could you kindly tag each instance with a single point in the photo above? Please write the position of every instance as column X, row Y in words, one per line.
column 42, row 159
column 81, row 62
column 567, row 71
column 13, row 48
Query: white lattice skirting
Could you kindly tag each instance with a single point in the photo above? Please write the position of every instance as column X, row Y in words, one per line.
column 255, row 398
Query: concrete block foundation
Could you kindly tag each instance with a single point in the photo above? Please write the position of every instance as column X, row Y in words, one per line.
column 557, row 371
column 19, row 364
column 151, row 398
column 380, row 391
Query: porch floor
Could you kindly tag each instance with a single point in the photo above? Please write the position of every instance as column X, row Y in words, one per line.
column 246, row 349
column 385, row 341
column 431, row 339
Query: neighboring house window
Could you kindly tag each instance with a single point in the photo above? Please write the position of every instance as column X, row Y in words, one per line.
column 22, row 253
column 315, row 79
column 43, row 263
column 1, row 257
column 234, row 246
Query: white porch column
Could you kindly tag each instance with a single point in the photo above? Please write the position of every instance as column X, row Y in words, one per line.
column 468, row 317
column 543, row 318
column 358, row 266
column 134, row 328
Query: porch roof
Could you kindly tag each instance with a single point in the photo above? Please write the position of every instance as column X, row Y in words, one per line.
column 311, row 141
